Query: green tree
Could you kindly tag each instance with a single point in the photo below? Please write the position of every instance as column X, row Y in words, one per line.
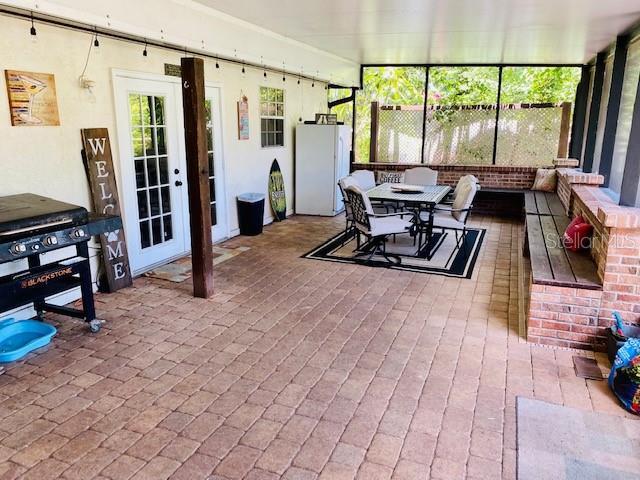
column 457, row 86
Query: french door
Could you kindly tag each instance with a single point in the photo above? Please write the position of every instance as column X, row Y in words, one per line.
column 217, row 191
column 152, row 163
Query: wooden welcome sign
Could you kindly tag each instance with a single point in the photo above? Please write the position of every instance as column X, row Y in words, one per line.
column 99, row 166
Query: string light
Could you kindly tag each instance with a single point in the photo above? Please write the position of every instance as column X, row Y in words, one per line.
column 33, row 27
column 145, row 52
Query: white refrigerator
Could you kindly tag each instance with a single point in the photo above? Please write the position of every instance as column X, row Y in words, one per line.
column 322, row 158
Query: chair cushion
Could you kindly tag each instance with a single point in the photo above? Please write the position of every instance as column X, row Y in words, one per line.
column 366, row 179
column 421, row 176
column 463, row 200
column 388, row 225
column 446, row 220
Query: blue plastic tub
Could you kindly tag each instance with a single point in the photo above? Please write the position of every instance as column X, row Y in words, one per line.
column 19, row 337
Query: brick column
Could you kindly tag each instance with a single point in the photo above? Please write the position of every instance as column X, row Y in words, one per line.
column 570, row 177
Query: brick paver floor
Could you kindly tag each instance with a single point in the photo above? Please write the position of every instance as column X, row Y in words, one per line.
column 295, row 369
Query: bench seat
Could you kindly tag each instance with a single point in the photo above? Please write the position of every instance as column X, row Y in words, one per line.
column 551, row 263
column 543, row 203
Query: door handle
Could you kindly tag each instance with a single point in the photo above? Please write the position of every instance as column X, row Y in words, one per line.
column 178, row 183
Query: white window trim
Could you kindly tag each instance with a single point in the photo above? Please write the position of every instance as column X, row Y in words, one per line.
column 273, row 117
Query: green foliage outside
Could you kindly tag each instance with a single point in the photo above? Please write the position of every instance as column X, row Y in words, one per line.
column 457, row 86
column 344, row 112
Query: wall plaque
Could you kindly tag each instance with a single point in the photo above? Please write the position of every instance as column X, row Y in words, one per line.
column 104, row 191
column 243, row 118
column 32, row 98
column 172, row 70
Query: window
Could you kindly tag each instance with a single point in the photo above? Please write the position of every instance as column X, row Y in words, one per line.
column 532, row 103
column 627, row 101
column 272, row 117
column 400, row 90
column 459, row 125
column 210, row 156
column 461, row 115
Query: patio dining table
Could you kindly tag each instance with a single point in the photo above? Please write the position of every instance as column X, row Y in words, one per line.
column 424, row 201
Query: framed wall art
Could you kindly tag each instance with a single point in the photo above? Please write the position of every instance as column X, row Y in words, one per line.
column 32, row 98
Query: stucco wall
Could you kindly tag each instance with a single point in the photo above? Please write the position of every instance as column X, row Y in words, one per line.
column 47, row 161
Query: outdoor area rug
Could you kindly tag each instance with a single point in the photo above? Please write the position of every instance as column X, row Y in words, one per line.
column 447, row 259
column 563, row 443
column 180, row 270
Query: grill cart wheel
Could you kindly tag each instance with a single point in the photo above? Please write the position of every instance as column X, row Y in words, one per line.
column 95, row 325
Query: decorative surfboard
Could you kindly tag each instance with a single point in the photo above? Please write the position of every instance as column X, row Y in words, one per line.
column 276, row 192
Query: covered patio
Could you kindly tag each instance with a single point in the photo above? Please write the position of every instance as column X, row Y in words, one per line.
column 319, row 241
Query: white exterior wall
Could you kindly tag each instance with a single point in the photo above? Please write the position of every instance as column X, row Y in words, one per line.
column 47, row 160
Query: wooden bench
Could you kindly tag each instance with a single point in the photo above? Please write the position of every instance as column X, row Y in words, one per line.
column 543, row 203
column 551, row 263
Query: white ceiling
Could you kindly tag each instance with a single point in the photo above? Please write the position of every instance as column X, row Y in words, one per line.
column 441, row 31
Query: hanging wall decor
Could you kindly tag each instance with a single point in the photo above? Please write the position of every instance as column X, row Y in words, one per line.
column 32, row 98
column 243, row 118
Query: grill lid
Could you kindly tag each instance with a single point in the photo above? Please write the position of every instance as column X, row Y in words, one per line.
column 27, row 212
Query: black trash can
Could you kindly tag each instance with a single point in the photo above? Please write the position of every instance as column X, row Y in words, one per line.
column 250, row 213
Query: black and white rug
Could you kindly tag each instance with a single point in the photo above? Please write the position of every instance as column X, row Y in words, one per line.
column 447, row 258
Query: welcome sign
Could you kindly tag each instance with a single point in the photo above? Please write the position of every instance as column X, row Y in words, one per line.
column 99, row 165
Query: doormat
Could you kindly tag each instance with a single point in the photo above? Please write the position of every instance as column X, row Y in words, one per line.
column 563, row 443
column 180, row 270
column 448, row 259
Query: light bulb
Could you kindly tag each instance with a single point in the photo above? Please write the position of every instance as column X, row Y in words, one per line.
column 32, row 31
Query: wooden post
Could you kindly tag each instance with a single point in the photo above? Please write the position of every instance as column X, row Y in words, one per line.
column 195, row 139
column 373, row 145
column 565, row 128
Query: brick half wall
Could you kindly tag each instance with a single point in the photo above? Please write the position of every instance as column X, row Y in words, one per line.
column 490, row 176
column 565, row 317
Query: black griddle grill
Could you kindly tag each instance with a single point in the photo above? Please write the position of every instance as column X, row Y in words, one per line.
column 31, row 225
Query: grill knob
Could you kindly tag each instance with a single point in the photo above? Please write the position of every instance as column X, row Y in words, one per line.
column 35, row 247
column 79, row 233
column 19, row 248
column 50, row 240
